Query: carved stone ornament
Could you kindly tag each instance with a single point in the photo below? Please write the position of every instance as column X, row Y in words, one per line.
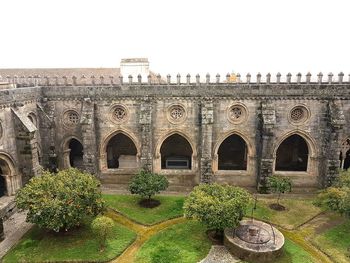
column 70, row 118
column 176, row 114
column 299, row 114
column 237, row 113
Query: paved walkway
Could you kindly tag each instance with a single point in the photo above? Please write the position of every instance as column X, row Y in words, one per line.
column 219, row 254
column 15, row 227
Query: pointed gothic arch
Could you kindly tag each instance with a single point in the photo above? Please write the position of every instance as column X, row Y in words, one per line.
column 10, row 180
column 188, row 156
column 232, row 153
column 120, row 150
column 344, row 155
column 73, row 153
column 176, row 153
column 230, row 142
column 312, row 161
column 292, row 154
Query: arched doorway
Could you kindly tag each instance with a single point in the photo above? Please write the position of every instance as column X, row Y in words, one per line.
column 232, row 154
column 292, row 154
column 3, row 188
column 176, row 153
column 121, row 152
column 346, row 162
column 9, row 181
column 344, row 155
column 76, row 154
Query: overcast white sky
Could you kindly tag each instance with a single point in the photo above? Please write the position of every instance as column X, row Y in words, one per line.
column 178, row 36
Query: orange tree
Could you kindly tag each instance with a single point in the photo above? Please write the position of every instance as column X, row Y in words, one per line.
column 60, row 201
column 217, row 206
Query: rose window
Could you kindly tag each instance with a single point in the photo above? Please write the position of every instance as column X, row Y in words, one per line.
column 119, row 113
column 236, row 113
column 297, row 114
column 71, row 118
column 177, row 112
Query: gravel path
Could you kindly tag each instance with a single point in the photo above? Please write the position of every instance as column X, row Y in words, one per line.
column 15, row 227
column 219, row 254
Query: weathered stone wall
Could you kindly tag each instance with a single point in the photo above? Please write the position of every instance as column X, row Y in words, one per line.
column 266, row 122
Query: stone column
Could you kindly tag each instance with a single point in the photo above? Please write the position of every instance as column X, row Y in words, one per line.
column 26, row 142
column 265, row 152
column 46, row 112
column 331, row 149
column 88, row 132
column 206, row 120
column 145, row 122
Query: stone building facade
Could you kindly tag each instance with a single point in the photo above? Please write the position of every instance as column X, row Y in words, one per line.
column 209, row 130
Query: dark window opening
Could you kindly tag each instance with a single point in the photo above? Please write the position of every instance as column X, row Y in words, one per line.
column 176, row 153
column 76, row 154
column 121, row 152
column 2, row 184
column 232, row 154
column 346, row 160
column 292, row 154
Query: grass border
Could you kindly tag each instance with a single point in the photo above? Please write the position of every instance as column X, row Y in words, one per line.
column 139, row 223
column 82, row 261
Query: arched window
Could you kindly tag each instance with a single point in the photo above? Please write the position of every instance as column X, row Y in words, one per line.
column 344, row 155
column 3, row 189
column 344, row 160
column 232, row 154
column 76, row 154
column 292, row 154
column 121, row 152
column 4, row 170
column 176, row 153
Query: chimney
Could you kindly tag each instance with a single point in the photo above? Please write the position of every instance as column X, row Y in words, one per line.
column 135, row 67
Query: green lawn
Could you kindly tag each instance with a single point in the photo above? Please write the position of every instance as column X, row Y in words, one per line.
column 78, row 245
column 170, row 207
column 336, row 242
column 298, row 211
column 185, row 242
column 293, row 253
column 188, row 243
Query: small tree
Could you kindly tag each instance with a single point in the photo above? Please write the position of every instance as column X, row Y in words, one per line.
column 337, row 197
column 102, row 227
column 280, row 185
column 60, row 201
column 147, row 184
column 217, row 206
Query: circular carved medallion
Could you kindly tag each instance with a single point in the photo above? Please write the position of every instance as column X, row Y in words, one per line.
column 70, row 118
column 176, row 114
column 298, row 115
column 118, row 113
column 237, row 113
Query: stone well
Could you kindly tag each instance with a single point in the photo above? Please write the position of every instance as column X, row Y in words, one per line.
column 254, row 241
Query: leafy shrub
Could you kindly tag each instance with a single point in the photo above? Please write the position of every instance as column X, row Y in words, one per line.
column 60, row 201
column 147, row 184
column 102, row 226
column 217, row 206
column 337, row 197
column 280, row 185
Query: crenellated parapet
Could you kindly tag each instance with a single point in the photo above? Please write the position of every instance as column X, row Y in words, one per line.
column 152, row 79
